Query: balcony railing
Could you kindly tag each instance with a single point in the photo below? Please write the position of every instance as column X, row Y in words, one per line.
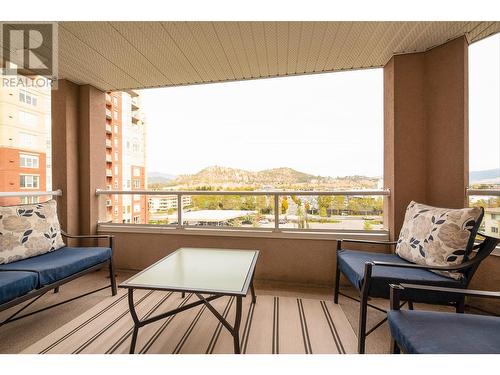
column 135, row 103
column 489, row 199
column 266, row 210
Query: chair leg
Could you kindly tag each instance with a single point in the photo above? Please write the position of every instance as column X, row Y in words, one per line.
column 394, row 349
column 460, row 306
column 363, row 307
column 410, row 305
column 112, row 277
column 56, row 290
column 337, row 286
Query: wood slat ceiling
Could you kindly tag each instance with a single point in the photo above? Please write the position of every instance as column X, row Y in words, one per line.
column 134, row 55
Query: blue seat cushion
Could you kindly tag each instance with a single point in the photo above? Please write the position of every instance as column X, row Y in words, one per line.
column 61, row 263
column 430, row 332
column 352, row 265
column 15, row 284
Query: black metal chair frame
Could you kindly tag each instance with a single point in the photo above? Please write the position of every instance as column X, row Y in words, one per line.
column 467, row 268
column 38, row 293
column 396, row 295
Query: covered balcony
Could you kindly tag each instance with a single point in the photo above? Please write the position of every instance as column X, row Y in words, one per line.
column 425, row 158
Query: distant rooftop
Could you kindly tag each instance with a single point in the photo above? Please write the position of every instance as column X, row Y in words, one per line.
column 215, row 216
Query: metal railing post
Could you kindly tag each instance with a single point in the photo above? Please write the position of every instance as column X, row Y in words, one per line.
column 180, row 224
column 276, row 212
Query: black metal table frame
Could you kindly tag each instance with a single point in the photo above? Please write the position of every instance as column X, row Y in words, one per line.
column 212, row 295
column 234, row 330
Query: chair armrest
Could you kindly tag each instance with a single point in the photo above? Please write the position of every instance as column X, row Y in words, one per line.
column 457, row 267
column 370, row 242
column 396, row 291
column 464, row 292
column 109, row 237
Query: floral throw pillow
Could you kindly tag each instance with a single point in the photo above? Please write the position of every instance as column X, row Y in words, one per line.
column 28, row 230
column 438, row 236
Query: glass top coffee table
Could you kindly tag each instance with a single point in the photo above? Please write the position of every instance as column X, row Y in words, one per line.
column 202, row 271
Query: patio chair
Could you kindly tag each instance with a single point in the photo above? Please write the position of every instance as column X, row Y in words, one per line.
column 371, row 273
column 432, row 332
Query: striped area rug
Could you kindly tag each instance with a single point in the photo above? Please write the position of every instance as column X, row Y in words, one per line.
column 272, row 325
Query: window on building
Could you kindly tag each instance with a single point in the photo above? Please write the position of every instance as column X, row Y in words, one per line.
column 115, row 115
column 137, row 172
column 27, row 118
column 115, row 101
column 115, row 128
column 137, row 184
column 116, row 169
column 29, row 181
column 27, row 140
column 116, row 211
column 28, row 161
column 29, row 200
column 494, row 229
column 137, row 208
column 28, row 98
column 116, row 156
column 115, row 141
column 115, row 184
column 137, row 219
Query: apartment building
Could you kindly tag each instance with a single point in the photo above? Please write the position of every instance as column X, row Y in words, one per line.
column 163, row 203
column 25, row 148
column 125, row 157
column 492, row 221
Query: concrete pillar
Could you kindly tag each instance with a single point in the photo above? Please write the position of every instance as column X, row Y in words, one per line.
column 92, row 159
column 425, row 129
column 78, row 153
column 65, row 103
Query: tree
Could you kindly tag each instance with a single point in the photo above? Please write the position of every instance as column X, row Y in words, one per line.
column 284, row 205
column 338, row 203
column 324, row 202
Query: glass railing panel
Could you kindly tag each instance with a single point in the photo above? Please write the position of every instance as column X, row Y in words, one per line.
column 331, row 212
column 244, row 211
column 491, row 204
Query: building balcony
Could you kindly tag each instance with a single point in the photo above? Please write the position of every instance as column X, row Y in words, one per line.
column 109, row 173
column 109, row 115
column 109, row 143
column 135, row 117
column 108, row 98
column 109, row 129
column 134, row 103
column 109, row 158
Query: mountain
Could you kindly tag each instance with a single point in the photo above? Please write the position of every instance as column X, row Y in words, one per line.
column 158, row 177
column 233, row 177
column 485, row 176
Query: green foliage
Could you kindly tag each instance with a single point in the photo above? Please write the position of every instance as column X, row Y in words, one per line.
column 284, row 205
